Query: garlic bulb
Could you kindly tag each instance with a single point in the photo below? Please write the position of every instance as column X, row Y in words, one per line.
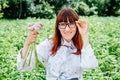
column 35, row 26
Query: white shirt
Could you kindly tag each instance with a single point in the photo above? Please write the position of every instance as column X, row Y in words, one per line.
column 64, row 65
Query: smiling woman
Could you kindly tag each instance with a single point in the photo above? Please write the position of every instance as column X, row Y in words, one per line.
column 67, row 53
column 67, row 30
column 67, row 16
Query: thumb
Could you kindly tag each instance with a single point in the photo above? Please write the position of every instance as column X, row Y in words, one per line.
column 78, row 25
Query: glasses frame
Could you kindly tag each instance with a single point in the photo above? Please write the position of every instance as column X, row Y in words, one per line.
column 66, row 23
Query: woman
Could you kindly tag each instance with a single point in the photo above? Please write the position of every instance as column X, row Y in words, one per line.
column 67, row 53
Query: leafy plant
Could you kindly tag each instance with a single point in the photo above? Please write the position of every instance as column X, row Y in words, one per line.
column 103, row 35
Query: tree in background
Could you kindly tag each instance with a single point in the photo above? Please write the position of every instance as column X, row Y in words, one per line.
column 39, row 9
column 105, row 7
column 3, row 5
column 49, row 8
column 28, row 8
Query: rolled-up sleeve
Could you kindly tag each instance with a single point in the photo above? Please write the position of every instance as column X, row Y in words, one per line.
column 20, row 61
column 43, row 50
column 88, row 59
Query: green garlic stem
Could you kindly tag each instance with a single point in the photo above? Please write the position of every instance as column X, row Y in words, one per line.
column 36, row 57
column 30, row 52
column 26, row 54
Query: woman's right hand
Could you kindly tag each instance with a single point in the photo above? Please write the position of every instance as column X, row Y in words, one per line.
column 31, row 38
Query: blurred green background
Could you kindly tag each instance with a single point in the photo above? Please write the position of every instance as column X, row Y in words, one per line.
column 103, row 17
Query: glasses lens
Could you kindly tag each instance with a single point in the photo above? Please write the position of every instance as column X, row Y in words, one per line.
column 72, row 25
column 62, row 25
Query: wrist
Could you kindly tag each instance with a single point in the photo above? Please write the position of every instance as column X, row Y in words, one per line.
column 27, row 43
column 85, row 40
column 24, row 49
column 84, row 35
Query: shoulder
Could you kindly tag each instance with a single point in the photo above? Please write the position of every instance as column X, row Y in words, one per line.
column 47, row 42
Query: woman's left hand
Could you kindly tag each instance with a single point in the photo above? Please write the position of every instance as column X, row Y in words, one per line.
column 83, row 30
column 82, row 27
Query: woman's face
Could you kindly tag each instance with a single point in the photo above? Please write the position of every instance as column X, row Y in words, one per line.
column 67, row 30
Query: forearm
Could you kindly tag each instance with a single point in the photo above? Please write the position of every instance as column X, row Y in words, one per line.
column 85, row 40
column 24, row 50
column 20, row 62
column 88, row 59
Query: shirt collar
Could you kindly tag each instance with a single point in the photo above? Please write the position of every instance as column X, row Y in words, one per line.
column 69, row 44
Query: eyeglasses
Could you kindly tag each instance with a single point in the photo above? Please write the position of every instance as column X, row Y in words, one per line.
column 63, row 25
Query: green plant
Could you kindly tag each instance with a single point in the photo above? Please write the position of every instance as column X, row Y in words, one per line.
column 82, row 8
column 103, row 35
column 3, row 5
column 40, row 9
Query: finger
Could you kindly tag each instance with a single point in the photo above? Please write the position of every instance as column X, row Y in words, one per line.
column 34, row 36
column 31, row 39
column 34, row 32
column 78, row 24
column 31, row 28
column 82, row 23
column 34, row 40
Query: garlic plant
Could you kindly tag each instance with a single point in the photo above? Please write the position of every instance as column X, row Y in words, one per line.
column 32, row 48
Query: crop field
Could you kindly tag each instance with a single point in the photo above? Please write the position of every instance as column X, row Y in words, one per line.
column 104, row 36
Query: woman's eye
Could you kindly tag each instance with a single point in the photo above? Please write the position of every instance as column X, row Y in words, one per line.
column 62, row 24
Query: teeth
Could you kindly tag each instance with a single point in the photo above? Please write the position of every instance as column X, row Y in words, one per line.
column 67, row 33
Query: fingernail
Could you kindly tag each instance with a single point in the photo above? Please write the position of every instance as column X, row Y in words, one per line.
column 76, row 21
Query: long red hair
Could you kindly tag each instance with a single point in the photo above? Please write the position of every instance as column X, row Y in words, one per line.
column 63, row 16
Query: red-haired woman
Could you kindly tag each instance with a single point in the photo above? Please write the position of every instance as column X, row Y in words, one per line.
column 67, row 53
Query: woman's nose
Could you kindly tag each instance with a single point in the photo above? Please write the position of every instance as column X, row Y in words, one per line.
column 67, row 28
